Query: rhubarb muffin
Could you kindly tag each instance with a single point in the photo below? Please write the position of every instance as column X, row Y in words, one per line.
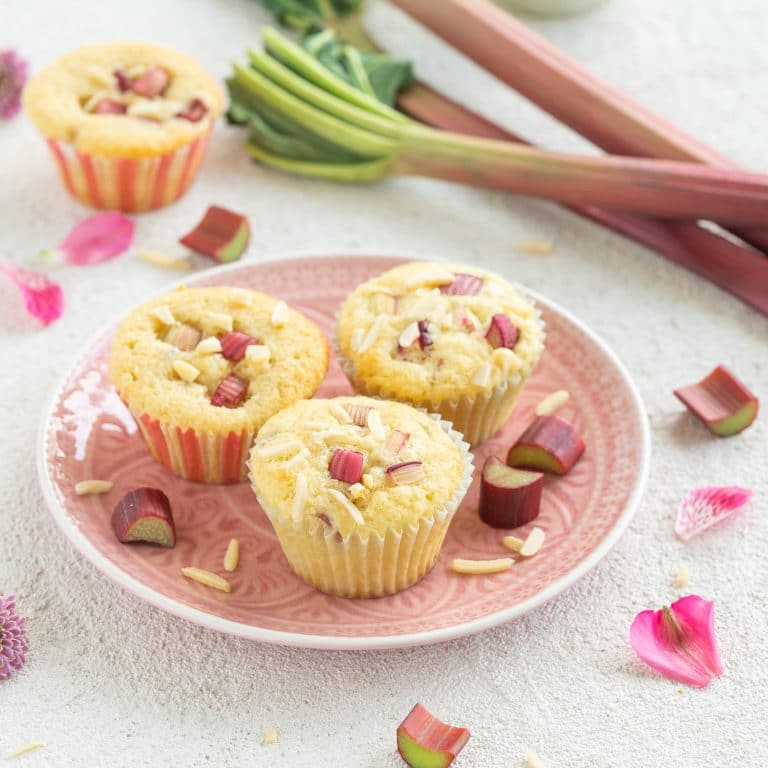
column 452, row 339
column 359, row 491
column 201, row 369
column 127, row 123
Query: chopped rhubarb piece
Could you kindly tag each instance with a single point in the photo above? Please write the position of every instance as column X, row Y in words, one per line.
column 221, row 235
column 406, row 473
column 502, row 332
column 230, row 392
column 550, row 444
column 463, row 285
column 184, row 337
column 423, row 741
column 396, row 442
column 195, row 112
column 359, row 414
column 144, row 514
column 509, row 497
column 234, row 344
column 346, row 466
column 109, row 107
column 721, row 402
column 123, row 81
column 152, row 83
column 425, row 340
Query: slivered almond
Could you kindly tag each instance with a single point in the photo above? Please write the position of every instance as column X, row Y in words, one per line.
column 349, row 507
column 275, row 448
column 532, row 760
column 163, row 314
column 25, row 749
column 87, row 487
column 299, row 496
column 541, row 247
column 552, row 403
column 259, row 353
column 357, row 339
column 513, row 543
column 356, row 490
column 504, row 358
column 480, row 567
column 372, row 334
column 433, row 276
column 280, row 314
column 342, row 414
column 270, row 737
column 375, row 424
column 208, row 346
column 409, row 334
column 533, row 542
column 232, row 556
column 425, row 304
column 207, row 578
column 220, row 320
column 185, row 370
column 160, row 259
column 298, row 460
column 482, row 376
column 682, row 577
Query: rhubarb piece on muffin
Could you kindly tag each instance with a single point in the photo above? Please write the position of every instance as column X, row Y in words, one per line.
column 452, row 339
column 127, row 123
column 201, row 369
column 359, row 491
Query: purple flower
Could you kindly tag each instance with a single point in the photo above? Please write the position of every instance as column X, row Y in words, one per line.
column 13, row 75
column 13, row 638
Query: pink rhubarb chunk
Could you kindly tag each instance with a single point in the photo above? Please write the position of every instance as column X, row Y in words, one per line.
column 463, row 285
column 195, row 112
column 144, row 514
column 346, row 466
column 109, row 107
column 230, row 392
column 152, row 83
column 234, row 345
column 423, row 741
column 502, row 332
column 679, row 641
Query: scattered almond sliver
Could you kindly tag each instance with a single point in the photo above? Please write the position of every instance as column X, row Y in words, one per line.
column 479, row 567
column 370, row 337
column 87, row 487
column 532, row 760
column 208, row 346
column 682, row 576
column 220, row 320
column 525, row 547
column 207, row 578
column 534, row 246
column 163, row 314
column 349, row 507
column 185, row 370
column 482, row 376
column 373, row 420
column 552, row 403
column 270, row 737
column 25, row 750
column 160, row 259
column 232, row 556
column 280, row 314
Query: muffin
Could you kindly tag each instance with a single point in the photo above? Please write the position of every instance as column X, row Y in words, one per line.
column 451, row 339
column 201, row 370
column 359, row 491
column 127, row 123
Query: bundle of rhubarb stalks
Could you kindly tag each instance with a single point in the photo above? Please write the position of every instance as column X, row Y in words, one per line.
column 333, row 107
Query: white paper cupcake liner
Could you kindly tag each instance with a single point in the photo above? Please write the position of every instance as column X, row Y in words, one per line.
column 376, row 565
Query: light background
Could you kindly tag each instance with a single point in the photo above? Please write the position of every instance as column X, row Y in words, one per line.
column 113, row 682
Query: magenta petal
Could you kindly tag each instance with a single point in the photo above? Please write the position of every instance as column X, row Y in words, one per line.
column 706, row 506
column 43, row 298
column 13, row 76
column 95, row 239
column 679, row 641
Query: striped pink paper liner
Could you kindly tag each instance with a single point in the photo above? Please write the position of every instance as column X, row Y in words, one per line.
column 202, row 458
column 130, row 185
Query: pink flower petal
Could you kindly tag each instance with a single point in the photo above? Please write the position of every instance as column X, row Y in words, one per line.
column 679, row 641
column 706, row 506
column 43, row 298
column 13, row 76
column 93, row 240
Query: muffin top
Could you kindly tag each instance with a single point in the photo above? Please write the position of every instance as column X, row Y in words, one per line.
column 123, row 99
column 216, row 359
column 355, row 464
column 428, row 332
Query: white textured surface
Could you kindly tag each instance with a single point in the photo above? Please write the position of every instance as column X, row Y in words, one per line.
column 112, row 682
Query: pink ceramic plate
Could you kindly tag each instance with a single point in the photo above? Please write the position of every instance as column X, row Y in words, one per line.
column 88, row 433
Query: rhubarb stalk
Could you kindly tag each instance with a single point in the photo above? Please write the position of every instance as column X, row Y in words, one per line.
column 561, row 86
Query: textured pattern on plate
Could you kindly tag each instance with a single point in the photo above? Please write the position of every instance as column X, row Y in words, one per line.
column 90, row 434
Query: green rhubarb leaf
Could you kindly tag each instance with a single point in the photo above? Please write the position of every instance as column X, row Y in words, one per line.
column 310, row 14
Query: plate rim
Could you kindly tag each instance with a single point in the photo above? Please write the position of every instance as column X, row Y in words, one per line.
column 342, row 642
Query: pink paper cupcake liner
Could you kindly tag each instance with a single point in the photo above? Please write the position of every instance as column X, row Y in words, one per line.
column 130, row 185
column 199, row 457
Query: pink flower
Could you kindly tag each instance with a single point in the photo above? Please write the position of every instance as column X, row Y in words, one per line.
column 93, row 240
column 679, row 641
column 43, row 298
column 14, row 643
column 706, row 506
column 13, row 75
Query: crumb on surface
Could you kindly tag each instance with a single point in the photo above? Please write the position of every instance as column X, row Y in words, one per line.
column 270, row 737
column 682, row 577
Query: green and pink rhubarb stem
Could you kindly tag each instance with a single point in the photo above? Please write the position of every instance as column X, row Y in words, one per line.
column 561, row 86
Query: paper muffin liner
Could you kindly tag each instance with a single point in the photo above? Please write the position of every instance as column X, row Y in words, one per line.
column 203, row 457
column 476, row 417
column 129, row 184
column 377, row 565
